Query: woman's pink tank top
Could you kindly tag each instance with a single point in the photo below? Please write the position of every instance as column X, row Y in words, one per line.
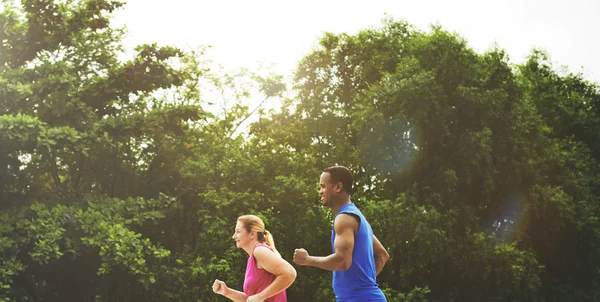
column 257, row 279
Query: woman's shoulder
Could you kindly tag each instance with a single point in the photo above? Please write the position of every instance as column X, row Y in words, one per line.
column 261, row 247
column 263, row 251
column 264, row 254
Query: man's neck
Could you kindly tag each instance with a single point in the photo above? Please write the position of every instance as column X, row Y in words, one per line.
column 338, row 205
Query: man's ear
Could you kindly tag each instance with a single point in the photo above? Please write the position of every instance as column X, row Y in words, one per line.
column 339, row 186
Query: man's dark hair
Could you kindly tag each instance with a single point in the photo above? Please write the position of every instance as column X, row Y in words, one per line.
column 341, row 174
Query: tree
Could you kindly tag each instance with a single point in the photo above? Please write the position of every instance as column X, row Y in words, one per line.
column 79, row 135
column 120, row 179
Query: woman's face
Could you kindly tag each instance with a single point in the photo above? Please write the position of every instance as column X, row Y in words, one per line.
column 242, row 237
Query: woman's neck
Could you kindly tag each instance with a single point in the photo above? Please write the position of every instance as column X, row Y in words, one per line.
column 250, row 248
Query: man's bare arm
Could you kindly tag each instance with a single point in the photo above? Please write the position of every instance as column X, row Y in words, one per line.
column 344, row 226
column 381, row 255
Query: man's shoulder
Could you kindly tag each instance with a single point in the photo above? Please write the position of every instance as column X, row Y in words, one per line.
column 346, row 220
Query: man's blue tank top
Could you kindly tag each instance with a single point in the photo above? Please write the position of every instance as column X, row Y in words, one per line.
column 359, row 282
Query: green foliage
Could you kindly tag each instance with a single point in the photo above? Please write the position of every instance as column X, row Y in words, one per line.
column 481, row 177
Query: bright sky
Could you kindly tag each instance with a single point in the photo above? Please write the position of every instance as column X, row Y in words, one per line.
column 244, row 32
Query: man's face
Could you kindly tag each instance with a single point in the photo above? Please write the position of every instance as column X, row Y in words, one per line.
column 328, row 190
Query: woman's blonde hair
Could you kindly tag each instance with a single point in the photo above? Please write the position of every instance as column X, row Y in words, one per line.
column 253, row 222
